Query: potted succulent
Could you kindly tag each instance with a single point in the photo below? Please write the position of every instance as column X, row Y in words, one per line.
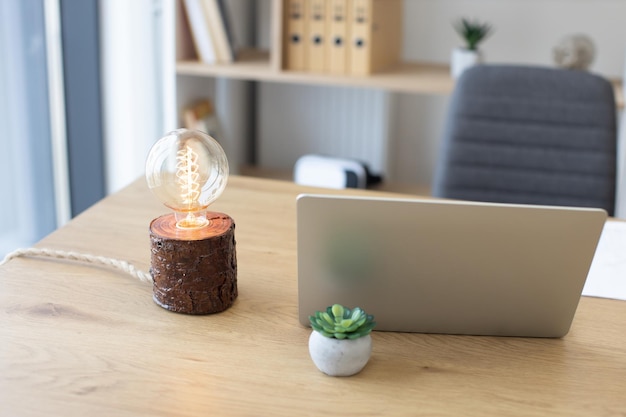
column 472, row 32
column 340, row 343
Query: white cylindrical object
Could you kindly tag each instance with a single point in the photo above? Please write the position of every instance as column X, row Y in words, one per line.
column 462, row 59
column 339, row 357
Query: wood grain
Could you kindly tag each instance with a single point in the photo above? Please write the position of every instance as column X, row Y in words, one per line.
column 77, row 340
column 405, row 77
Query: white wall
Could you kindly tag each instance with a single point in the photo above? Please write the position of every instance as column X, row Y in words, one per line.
column 524, row 30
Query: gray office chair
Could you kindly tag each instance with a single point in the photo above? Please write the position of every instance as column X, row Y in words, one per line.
column 530, row 135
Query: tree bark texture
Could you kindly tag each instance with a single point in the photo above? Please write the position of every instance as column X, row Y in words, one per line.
column 194, row 270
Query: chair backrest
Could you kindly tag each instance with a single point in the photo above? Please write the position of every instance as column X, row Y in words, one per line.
column 530, row 135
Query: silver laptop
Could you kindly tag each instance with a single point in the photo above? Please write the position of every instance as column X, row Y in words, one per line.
column 450, row 267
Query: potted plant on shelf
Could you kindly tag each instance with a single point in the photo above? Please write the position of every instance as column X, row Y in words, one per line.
column 340, row 343
column 472, row 32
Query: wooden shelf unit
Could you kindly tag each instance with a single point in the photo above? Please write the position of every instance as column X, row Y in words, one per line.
column 407, row 77
column 259, row 65
column 256, row 66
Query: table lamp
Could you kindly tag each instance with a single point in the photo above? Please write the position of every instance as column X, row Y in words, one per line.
column 193, row 259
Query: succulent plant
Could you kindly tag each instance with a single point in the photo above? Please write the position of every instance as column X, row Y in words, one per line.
column 472, row 32
column 340, row 322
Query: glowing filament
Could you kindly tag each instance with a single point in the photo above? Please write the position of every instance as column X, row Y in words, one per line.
column 190, row 189
column 187, row 173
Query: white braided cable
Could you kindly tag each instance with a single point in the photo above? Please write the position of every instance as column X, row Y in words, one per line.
column 80, row 257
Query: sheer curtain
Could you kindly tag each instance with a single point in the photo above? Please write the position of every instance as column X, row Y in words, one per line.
column 28, row 209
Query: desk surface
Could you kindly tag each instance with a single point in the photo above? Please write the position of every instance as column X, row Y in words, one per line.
column 78, row 340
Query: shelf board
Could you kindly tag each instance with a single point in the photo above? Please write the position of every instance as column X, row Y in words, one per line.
column 407, row 77
column 255, row 65
column 287, row 175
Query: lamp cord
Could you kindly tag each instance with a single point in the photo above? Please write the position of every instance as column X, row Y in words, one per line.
column 80, row 257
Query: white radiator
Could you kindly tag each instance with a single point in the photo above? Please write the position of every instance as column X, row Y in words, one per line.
column 295, row 120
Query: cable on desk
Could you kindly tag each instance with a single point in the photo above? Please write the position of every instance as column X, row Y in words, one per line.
column 80, row 257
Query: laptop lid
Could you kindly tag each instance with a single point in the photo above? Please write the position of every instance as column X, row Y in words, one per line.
column 442, row 266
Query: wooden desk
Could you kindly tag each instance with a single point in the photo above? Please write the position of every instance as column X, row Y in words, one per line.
column 78, row 340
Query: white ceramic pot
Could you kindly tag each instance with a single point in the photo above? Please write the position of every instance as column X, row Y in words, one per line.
column 462, row 59
column 339, row 357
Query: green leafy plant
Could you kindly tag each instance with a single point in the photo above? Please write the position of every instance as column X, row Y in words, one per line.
column 473, row 32
column 340, row 322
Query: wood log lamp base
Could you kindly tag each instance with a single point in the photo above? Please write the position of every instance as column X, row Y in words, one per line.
column 194, row 270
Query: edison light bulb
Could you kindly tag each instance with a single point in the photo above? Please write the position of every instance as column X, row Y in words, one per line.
column 187, row 170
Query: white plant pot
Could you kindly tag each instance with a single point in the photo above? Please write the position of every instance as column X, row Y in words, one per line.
column 462, row 59
column 339, row 357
